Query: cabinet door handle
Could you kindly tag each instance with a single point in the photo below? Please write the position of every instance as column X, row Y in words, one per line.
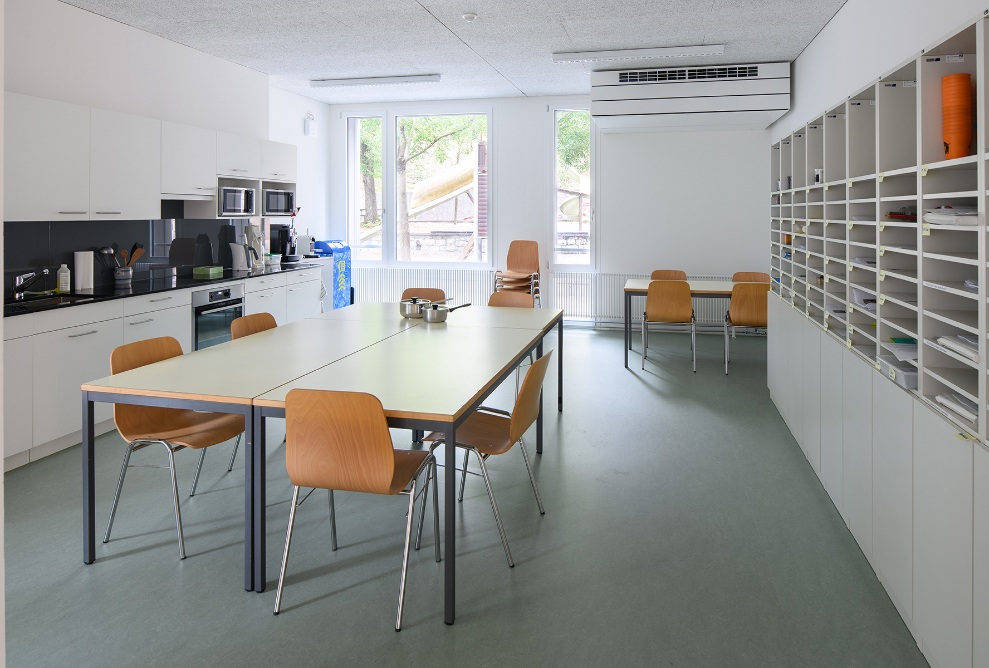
column 73, row 213
column 162, row 299
column 141, row 322
column 278, row 173
column 76, row 336
column 234, row 169
column 209, row 189
column 107, row 213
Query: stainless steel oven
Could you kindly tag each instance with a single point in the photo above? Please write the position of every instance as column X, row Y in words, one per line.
column 213, row 311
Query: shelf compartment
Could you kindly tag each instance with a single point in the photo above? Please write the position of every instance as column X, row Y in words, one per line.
column 902, row 326
column 964, row 380
column 907, row 300
column 898, row 275
column 834, row 144
column 935, row 64
column 960, row 422
column 958, row 178
column 862, row 134
column 951, row 354
column 774, row 171
column 799, row 152
column 964, row 320
column 896, row 113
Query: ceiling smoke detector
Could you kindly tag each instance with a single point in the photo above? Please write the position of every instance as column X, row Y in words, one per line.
column 469, row 17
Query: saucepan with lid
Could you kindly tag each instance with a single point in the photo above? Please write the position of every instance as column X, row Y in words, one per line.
column 438, row 312
column 412, row 308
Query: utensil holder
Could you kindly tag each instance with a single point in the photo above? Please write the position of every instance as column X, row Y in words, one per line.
column 123, row 275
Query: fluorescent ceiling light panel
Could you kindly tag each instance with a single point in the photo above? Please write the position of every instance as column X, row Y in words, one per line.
column 374, row 81
column 640, row 54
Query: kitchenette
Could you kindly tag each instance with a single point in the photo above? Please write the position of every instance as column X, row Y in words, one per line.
column 164, row 229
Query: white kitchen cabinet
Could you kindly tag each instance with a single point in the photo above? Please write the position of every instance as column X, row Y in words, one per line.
column 46, row 154
column 811, row 442
column 980, row 589
column 175, row 322
column 64, row 359
column 18, row 394
column 125, row 166
column 279, row 162
column 795, row 374
column 188, row 161
column 302, row 300
column 856, row 453
column 892, row 476
column 832, row 438
column 238, row 156
column 774, row 363
column 942, row 540
column 271, row 300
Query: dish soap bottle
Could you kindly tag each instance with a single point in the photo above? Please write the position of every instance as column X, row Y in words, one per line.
column 64, row 283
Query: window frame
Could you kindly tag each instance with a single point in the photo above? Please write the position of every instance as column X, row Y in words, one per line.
column 591, row 265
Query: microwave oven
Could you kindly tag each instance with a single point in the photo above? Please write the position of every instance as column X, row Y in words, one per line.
column 237, row 202
column 278, row 202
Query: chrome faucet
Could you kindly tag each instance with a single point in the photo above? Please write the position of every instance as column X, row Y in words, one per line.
column 24, row 281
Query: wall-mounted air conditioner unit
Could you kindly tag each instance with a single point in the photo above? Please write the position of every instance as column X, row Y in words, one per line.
column 722, row 96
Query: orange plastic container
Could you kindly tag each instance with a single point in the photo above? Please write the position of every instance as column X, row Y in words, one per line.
column 956, row 115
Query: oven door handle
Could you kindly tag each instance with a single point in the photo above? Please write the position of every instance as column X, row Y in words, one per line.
column 226, row 306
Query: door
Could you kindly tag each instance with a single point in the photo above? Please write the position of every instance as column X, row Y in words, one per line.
column 125, row 167
column 856, row 454
column 302, row 300
column 18, row 395
column 188, row 160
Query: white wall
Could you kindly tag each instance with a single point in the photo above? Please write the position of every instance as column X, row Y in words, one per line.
column 63, row 53
column 287, row 113
column 520, row 141
column 694, row 201
column 865, row 40
column 3, row 572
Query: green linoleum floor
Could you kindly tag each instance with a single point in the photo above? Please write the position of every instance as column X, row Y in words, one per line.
column 683, row 527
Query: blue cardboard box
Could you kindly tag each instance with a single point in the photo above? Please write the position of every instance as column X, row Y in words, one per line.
column 341, row 277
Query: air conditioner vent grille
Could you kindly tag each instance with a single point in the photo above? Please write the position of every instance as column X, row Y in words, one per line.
column 689, row 74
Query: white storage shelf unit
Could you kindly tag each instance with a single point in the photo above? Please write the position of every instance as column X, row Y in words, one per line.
column 853, row 269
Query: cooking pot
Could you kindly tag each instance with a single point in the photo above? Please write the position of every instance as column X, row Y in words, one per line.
column 438, row 312
column 412, row 308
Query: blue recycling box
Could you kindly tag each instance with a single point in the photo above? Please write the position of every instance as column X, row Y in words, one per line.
column 341, row 277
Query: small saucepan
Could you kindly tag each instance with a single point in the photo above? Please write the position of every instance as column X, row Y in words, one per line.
column 412, row 308
column 438, row 312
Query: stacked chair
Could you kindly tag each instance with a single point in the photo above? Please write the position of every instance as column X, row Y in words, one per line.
column 522, row 274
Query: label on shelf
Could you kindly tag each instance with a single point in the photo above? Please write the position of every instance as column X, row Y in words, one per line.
column 923, row 170
column 957, row 58
column 848, row 343
column 825, row 186
column 925, row 229
column 827, row 278
column 909, row 84
column 826, row 260
column 882, row 299
column 892, row 373
column 850, row 183
column 851, row 225
column 882, row 275
column 962, row 436
column 881, row 176
column 882, row 250
column 876, row 366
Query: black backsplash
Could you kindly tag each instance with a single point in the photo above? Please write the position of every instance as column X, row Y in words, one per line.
column 29, row 246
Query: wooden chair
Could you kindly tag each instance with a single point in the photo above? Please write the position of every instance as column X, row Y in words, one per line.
column 490, row 431
column 340, row 441
column 668, row 275
column 172, row 428
column 750, row 277
column 669, row 302
column 432, row 294
column 522, row 274
column 511, row 299
column 747, row 308
column 239, row 328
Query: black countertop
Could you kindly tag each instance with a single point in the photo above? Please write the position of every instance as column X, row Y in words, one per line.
column 144, row 283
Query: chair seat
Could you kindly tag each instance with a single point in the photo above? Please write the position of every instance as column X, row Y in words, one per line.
column 488, row 433
column 191, row 429
column 407, row 462
column 514, row 275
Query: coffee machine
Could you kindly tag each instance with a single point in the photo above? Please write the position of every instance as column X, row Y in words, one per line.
column 285, row 241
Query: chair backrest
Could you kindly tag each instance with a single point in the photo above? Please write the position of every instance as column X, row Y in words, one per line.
column 750, row 277
column 668, row 275
column 523, row 257
column 747, row 307
column 338, row 440
column 133, row 420
column 512, row 298
column 527, row 405
column 669, row 301
column 252, row 324
column 432, row 294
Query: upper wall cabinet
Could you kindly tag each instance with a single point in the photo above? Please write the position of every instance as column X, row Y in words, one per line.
column 278, row 161
column 46, row 155
column 125, row 166
column 238, row 156
column 188, row 161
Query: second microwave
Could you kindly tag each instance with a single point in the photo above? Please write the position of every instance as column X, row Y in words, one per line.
column 237, row 201
column 278, row 202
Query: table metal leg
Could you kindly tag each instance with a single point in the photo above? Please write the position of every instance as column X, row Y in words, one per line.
column 450, row 526
column 559, row 364
column 539, row 418
column 628, row 326
column 256, row 445
column 88, row 482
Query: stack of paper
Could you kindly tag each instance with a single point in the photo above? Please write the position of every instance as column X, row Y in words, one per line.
column 972, row 284
column 952, row 215
column 865, row 261
column 902, row 351
column 966, row 345
column 864, row 300
column 959, row 405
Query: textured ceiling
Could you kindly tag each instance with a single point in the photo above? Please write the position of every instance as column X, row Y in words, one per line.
column 506, row 52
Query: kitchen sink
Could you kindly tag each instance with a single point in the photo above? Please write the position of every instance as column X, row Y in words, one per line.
column 42, row 301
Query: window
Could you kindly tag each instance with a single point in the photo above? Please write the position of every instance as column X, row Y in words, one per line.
column 572, row 197
column 441, row 188
column 364, row 219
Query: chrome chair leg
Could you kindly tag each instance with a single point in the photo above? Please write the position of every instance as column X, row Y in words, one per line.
column 422, row 509
column 233, row 455
column 645, row 335
column 693, row 343
column 288, row 542
column 199, row 469
column 333, row 520
column 405, row 555
column 463, row 475
column 532, row 478
column 116, row 496
column 494, row 509
column 175, row 500
column 726, row 345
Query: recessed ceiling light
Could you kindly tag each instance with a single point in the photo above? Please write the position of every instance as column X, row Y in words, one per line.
column 640, row 54
column 469, row 17
column 374, row 81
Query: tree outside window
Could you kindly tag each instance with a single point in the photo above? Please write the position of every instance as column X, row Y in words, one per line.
column 573, row 188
